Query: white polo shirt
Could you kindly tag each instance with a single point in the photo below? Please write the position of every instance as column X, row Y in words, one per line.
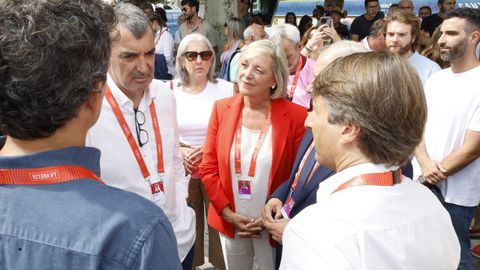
column 120, row 169
column 371, row 227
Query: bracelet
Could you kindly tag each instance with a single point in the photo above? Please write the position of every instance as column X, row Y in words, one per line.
column 308, row 48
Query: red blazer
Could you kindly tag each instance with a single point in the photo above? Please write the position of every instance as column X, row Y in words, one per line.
column 287, row 131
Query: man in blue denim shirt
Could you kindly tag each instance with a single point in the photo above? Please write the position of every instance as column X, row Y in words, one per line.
column 55, row 213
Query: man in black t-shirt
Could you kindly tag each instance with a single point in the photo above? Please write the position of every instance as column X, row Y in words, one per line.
column 361, row 24
column 430, row 23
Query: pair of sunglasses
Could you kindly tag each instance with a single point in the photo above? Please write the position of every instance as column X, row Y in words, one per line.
column 192, row 56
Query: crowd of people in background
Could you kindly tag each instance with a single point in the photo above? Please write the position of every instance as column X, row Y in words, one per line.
column 323, row 142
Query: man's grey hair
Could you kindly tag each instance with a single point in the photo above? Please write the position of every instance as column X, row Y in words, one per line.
column 376, row 28
column 132, row 18
column 285, row 31
column 343, row 48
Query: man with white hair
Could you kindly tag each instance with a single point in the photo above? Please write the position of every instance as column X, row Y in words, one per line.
column 406, row 4
column 301, row 67
column 252, row 33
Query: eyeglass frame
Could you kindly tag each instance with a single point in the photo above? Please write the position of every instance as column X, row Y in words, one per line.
column 202, row 54
column 139, row 129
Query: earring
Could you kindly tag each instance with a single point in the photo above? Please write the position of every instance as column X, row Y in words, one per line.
column 273, row 86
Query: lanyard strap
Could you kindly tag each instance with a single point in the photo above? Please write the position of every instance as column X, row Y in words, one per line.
column 46, row 175
column 199, row 28
column 389, row 178
column 238, row 143
column 131, row 141
column 301, row 167
column 295, row 77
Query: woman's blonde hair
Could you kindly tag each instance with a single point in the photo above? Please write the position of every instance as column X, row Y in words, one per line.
column 279, row 63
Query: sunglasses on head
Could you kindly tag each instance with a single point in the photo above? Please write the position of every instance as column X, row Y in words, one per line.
column 192, row 56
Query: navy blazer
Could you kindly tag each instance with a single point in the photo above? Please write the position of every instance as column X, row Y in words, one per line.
column 306, row 196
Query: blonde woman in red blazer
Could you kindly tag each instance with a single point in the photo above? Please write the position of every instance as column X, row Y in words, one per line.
column 240, row 122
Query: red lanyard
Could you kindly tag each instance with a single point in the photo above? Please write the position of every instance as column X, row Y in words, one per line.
column 238, row 143
column 373, row 179
column 131, row 141
column 46, row 175
column 302, row 164
column 295, row 77
column 199, row 28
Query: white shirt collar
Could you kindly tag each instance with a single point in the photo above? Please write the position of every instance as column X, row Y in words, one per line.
column 333, row 182
column 364, row 42
column 124, row 102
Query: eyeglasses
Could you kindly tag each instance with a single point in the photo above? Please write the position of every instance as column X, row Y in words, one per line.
column 192, row 56
column 142, row 134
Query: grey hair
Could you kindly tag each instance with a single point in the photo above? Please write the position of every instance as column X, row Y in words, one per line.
column 343, row 48
column 377, row 27
column 182, row 72
column 279, row 63
column 53, row 55
column 285, row 31
column 132, row 18
column 249, row 31
column 235, row 28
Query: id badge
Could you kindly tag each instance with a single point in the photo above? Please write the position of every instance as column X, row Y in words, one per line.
column 244, row 189
column 158, row 192
column 287, row 207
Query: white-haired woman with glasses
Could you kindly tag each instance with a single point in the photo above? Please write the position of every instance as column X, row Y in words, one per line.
column 196, row 90
column 251, row 144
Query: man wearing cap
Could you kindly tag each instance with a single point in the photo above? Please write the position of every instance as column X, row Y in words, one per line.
column 342, row 30
column 55, row 211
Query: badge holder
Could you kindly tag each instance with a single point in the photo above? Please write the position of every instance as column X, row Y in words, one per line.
column 287, row 207
column 158, row 191
column 244, row 188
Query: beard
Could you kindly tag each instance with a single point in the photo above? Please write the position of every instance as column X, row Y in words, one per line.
column 454, row 52
column 401, row 50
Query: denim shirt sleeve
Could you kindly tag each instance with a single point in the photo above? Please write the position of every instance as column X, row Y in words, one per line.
column 159, row 249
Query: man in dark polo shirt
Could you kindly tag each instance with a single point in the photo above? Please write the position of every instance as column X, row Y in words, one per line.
column 55, row 211
column 430, row 23
column 361, row 24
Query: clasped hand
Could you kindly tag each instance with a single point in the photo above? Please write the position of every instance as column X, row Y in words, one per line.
column 273, row 219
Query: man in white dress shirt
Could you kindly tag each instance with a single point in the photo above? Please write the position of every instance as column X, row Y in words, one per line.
column 137, row 129
column 402, row 33
column 368, row 216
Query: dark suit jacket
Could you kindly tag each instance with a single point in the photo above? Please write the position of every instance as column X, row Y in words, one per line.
column 287, row 132
column 306, row 196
